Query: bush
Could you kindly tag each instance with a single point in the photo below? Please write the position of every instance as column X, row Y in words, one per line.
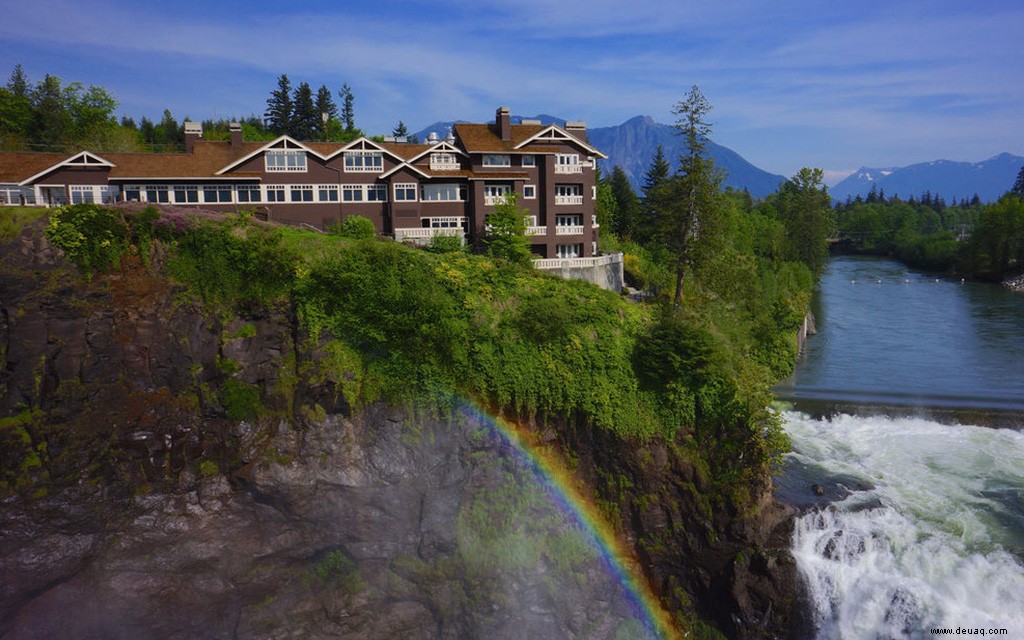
column 355, row 228
column 445, row 244
column 92, row 237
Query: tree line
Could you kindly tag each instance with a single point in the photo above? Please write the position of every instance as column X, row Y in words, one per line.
column 53, row 116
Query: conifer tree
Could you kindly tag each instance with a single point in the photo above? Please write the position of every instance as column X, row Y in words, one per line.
column 1018, row 185
column 279, row 107
column 305, row 118
column 325, row 104
column 348, row 117
column 657, row 174
column 400, row 131
column 627, row 206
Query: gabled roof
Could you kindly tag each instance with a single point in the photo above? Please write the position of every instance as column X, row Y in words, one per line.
column 440, row 147
column 481, row 138
column 365, row 144
column 18, row 166
column 83, row 159
column 405, row 165
column 282, row 142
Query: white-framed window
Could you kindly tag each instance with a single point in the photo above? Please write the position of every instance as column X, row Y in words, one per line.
column 497, row 160
column 448, row 192
column 275, row 193
column 377, row 193
column 529, row 161
column 568, row 163
column 593, row 192
column 248, row 192
column 108, row 194
column 285, row 160
column 405, row 192
column 568, row 250
column 186, row 194
column 217, row 193
column 327, row 192
column 447, row 222
column 529, row 191
column 302, row 192
column 351, row 193
column 82, row 194
column 132, row 193
column 357, row 161
column 568, row 221
column 568, row 194
column 494, row 193
column 444, row 161
column 157, row 193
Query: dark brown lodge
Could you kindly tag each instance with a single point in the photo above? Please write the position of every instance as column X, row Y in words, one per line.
column 410, row 191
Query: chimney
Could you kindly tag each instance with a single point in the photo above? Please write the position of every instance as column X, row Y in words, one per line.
column 577, row 130
column 193, row 132
column 236, row 135
column 503, row 123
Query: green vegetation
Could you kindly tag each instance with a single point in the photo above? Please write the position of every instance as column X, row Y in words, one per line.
column 92, row 237
column 355, row 228
column 14, row 219
column 975, row 240
column 337, row 570
column 506, row 236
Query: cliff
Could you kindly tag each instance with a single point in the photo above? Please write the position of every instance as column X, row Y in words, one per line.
column 177, row 470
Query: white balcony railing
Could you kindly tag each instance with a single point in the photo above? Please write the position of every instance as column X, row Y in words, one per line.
column 536, row 231
column 420, row 233
column 568, row 199
column 567, row 230
column 443, row 166
column 559, row 263
column 568, row 168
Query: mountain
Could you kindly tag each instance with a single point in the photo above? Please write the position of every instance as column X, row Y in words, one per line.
column 952, row 180
column 632, row 144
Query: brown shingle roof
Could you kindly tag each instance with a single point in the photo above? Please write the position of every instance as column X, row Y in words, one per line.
column 20, row 165
column 480, row 138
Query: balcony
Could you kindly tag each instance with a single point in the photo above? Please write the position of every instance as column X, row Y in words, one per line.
column 569, row 230
column 561, row 263
column 490, row 201
column 420, row 234
column 536, row 231
column 569, row 199
column 568, row 168
column 438, row 165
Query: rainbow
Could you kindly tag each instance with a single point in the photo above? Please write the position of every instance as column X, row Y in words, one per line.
column 563, row 488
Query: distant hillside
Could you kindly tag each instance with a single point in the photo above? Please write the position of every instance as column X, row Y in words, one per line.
column 632, row 144
column 952, row 180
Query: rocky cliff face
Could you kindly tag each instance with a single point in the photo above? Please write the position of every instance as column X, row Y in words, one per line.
column 169, row 472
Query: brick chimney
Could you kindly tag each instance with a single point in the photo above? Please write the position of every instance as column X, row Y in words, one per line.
column 503, row 123
column 236, row 135
column 577, row 130
column 193, row 132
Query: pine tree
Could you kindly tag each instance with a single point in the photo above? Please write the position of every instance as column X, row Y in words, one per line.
column 50, row 121
column 279, row 107
column 657, row 174
column 348, row 117
column 19, row 85
column 305, row 118
column 627, row 205
column 1018, row 185
column 325, row 104
column 400, row 131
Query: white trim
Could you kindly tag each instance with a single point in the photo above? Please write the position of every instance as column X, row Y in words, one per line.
column 562, row 136
column 405, row 165
column 440, row 147
column 85, row 155
column 406, row 186
column 531, row 187
column 283, row 140
column 362, row 143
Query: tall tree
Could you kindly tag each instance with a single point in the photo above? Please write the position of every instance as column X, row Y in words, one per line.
column 348, row 116
column 506, row 235
column 48, row 128
column 325, row 104
column 646, row 219
column 806, row 209
column 16, row 105
column 687, row 204
column 1018, row 185
column 279, row 106
column 305, row 118
column 400, row 130
column 627, row 205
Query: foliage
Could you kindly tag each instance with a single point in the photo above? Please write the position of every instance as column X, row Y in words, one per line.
column 803, row 205
column 445, row 244
column 14, row 219
column 235, row 261
column 280, row 107
column 241, row 401
column 627, row 206
column 506, row 235
column 92, row 237
column 338, row 570
column 355, row 227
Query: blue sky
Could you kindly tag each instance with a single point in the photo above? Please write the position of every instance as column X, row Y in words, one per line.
column 793, row 82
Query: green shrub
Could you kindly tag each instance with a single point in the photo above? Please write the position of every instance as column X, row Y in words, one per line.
column 356, row 228
column 445, row 244
column 241, row 401
column 92, row 237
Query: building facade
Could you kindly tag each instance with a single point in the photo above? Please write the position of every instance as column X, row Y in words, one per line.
column 410, row 191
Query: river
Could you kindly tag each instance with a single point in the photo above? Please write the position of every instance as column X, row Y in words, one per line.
column 919, row 524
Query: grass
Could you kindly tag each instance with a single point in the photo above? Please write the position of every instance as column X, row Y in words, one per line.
column 14, row 219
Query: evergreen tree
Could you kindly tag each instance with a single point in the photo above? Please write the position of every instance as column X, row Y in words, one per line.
column 657, row 174
column 19, row 85
column 400, row 131
column 325, row 104
column 305, row 118
column 348, row 117
column 1018, row 185
column 805, row 208
column 687, row 207
column 48, row 127
column 16, row 105
column 279, row 107
column 627, row 205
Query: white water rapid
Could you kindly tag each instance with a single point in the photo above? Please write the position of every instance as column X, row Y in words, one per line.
column 932, row 538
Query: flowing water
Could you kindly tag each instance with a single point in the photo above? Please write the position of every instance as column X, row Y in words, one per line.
column 917, row 523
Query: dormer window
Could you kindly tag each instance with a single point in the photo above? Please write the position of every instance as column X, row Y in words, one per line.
column 444, row 161
column 497, row 160
column 285, row 160
column 356, row 161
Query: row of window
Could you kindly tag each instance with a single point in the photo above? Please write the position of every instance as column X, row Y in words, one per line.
column 373, row 161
